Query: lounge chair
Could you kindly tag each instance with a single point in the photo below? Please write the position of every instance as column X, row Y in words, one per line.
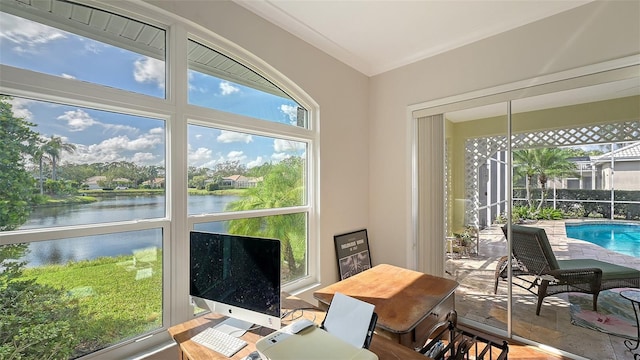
column 535, row 264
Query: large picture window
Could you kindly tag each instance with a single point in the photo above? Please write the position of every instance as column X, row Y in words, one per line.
column 219, row 82
column 89, row 166
column 270, row 170
column 84, row 43
column 82, row 294
column 104, row 171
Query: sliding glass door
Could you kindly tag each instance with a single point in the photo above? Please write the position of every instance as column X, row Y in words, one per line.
column 565, row 154
column 573, row 161
column 476, row 196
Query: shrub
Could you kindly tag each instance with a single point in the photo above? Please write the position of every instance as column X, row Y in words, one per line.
column 212, row 186
column 36, row 321
column 521, row 213
column 575, row 211
column 501, row 218
column 550, row 214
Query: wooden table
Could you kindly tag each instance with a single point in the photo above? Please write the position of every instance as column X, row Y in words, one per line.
column 384, row 348
column 410, row 304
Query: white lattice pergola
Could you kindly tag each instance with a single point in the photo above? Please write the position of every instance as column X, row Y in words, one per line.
column 479, row 150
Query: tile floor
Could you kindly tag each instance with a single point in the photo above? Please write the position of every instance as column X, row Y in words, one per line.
column 476, row 301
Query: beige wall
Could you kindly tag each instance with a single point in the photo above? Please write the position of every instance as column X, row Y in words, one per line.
column 340, row 91
column 365, row 158
column 590, row 34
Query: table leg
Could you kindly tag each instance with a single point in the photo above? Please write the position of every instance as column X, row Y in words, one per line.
column 629, row 343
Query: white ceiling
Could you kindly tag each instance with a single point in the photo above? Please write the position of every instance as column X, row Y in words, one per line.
column 375, row 36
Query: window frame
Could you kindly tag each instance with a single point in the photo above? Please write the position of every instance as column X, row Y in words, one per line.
column 177, row 114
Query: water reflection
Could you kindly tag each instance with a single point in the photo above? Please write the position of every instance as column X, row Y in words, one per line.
column 117, row 208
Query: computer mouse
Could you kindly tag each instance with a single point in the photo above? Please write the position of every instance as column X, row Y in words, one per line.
column 300, row 325
column 253, row 356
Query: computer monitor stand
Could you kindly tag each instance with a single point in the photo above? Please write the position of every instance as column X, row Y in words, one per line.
column 234, row 327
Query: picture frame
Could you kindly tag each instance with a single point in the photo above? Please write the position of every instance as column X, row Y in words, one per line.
column 352, row 252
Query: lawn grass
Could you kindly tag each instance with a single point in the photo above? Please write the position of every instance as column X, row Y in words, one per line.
column 114, row 305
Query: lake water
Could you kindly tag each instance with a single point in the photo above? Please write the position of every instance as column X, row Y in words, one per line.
column 109, row 209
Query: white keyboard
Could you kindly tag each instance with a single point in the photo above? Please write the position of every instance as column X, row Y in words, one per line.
column 218, row 341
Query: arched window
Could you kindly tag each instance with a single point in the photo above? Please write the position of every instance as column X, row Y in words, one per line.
column 109, row 169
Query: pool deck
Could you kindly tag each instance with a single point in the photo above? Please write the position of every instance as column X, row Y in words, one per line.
column 476, row 301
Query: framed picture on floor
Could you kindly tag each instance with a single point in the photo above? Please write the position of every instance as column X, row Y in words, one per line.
column 352, row 251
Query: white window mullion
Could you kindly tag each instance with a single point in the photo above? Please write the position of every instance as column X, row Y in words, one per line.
column 177, row 168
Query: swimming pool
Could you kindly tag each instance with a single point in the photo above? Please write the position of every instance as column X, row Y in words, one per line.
column 620, row 237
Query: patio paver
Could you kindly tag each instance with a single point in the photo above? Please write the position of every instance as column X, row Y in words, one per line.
column 475, row 299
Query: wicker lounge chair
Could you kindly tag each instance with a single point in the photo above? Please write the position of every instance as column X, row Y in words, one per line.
column 535, row 264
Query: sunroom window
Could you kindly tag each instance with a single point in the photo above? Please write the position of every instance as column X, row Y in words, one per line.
column 92, row 223
column 219, row 82
column 78, row 42
column 91, row 162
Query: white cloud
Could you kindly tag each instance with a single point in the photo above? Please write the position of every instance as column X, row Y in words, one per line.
column 67, row 76
column 291, row 112
column 232, row 136
column 77, row 120
column 277, row 157
column 143, row 158
column 199, row 156
column 20, row 108
column 157, row 131
column 236, row 156
column 257, row 162
column 120, row 148
column 92, row 47
column 146, row 141
column 280, row 145
column 27, row 35
column 227, row 89
column 190, row 79
column 117, row 127
column 124, row 143
column 149, row 70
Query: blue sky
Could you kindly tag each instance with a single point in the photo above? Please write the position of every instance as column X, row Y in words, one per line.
column 102, row 136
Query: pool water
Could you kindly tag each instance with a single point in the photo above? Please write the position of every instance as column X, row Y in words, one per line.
column 619, row 237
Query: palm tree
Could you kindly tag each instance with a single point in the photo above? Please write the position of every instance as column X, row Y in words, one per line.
column 53, row 148
column 39, row 155
column 281, row 187
column 525, row 167
column 545, row 163
column 552, row 162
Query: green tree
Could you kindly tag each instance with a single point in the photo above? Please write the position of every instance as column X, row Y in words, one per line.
column 198, row 181
column 525, row 167
column 229, row 168
column 192, row 173
column 17, row 142
column 147, row 173
column 282, row 187
column 54, row 148
column 545, row 163
column 39, row 156
column 76, row 172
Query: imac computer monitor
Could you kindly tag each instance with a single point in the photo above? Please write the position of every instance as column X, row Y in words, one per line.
column 236, row 276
